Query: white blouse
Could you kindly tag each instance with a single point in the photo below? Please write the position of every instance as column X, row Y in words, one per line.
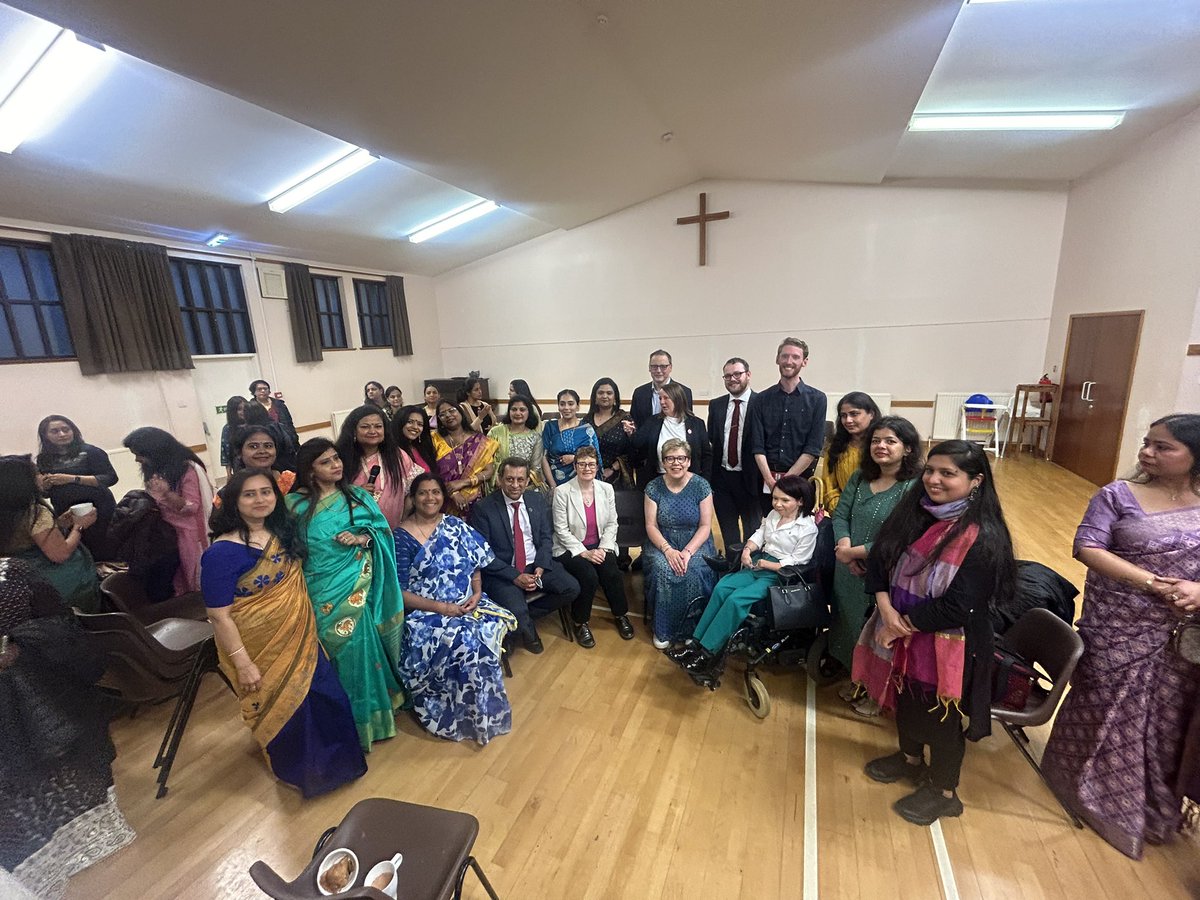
column 792, row 543
column 671, row 428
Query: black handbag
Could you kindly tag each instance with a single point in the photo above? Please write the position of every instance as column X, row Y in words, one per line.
column 798, row 601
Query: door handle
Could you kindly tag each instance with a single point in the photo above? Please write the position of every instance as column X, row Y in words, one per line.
column 1083, row 391
column 1090, row 385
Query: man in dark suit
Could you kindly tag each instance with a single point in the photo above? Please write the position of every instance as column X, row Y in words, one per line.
column 735, row 479
column 519, row 529
column 645, row 404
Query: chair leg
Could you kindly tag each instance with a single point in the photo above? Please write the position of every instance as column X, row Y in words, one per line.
column 186, row 700
column 1012, row 732
column 462, row 874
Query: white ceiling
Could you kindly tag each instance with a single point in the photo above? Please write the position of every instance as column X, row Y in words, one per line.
column 556, row 108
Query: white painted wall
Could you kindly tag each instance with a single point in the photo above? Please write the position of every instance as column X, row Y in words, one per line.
column 907, row 291
column 107, row 407
column 1132, row 241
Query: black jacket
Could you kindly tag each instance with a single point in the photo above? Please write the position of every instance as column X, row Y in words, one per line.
column 645, row 447
column 717, row 409
column 641, row 407
column 492, row 517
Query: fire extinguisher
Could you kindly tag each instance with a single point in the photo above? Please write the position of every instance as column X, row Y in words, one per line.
column 1045, row 397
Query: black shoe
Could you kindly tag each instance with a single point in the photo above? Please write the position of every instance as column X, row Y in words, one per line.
column 688, row 648
column 637, row 565
column 926, row 805
column 532, row 642
column 888, row 769
column 625, row 628
column 702, row 663
column 583, row 636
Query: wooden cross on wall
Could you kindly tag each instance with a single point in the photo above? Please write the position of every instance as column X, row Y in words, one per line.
column 702, row 220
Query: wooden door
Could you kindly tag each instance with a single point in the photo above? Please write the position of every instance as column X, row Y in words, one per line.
column 1096, row 374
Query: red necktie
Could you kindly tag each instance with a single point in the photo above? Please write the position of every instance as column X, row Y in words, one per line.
column 733, row 433
column 518, row 539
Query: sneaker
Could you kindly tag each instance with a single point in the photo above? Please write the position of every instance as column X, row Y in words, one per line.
column 661, row 645
column 926, row 805
column 865, row 707
column 887, row 769
column 848, row 692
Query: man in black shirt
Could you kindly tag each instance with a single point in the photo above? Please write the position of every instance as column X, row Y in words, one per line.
column 787, row 430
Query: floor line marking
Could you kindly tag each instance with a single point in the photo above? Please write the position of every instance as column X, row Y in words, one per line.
column 810, row 794
column 949, row 885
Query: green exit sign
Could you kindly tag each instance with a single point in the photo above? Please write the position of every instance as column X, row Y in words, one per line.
column 221, row 409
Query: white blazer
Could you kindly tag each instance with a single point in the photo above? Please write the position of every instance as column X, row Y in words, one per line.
column 570, row 523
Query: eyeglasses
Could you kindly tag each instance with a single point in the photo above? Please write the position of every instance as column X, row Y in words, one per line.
column 654, row 368
column 260, row 445
column 586, row 464
column 676, row 459
column 731, row 375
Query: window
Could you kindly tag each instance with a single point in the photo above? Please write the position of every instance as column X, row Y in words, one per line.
column 329, row 312
column 32, row 322
column 212, row 304
column 374, row 323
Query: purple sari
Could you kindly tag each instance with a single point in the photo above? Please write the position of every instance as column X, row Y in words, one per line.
column 1116, row 750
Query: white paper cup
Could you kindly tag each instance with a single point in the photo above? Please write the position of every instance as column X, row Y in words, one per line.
column 387, row 867
column 79, row 510
column 330, row 858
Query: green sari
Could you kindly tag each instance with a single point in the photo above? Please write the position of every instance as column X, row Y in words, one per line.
column 358, row 604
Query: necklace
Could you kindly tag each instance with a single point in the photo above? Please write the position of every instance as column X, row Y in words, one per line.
column 425, row 536
column 588, row 501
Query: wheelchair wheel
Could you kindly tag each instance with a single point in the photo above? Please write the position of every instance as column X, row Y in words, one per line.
column 822, row 668
column 757, row 696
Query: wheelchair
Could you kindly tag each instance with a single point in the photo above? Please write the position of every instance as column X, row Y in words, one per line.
column 758, row 644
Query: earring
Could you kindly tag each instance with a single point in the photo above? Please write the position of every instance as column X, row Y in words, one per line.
column 974, row 493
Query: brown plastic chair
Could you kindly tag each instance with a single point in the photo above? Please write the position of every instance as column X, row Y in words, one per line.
column 436, row 844
column 1042, row 639
column 126, row 594
column 146, row 664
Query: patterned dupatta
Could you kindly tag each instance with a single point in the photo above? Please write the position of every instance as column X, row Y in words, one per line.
column 276, row 624
column 470, row 457
column 933, row 661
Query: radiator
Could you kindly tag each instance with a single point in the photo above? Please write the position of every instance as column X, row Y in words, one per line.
column 947, row 408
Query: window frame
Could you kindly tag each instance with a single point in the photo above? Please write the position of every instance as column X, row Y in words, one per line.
column 332, row 320
column 375, row 319
column 212, row 315
column 36, row 303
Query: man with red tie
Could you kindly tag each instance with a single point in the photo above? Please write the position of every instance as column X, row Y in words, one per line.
column 523, row 577
column 735, row 479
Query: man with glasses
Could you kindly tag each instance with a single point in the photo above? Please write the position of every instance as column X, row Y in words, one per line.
column 787, row 432
column 735, row 479
column 524, row 577
column 646, row 403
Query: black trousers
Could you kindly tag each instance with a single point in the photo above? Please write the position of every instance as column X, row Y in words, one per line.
column 590, row 576
column 922, row 721
column 558, row 589
column 734, row 504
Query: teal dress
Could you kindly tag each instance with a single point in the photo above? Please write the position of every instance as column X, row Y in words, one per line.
column 669, row 594
column 860, row 513
column 358, row 604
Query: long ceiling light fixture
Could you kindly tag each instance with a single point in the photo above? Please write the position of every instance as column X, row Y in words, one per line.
column 1016, row 121
column 452, row 219
column 354, row 161
column 66, row 66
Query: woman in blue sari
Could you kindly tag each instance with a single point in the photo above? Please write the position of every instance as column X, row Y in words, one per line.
column 351, row 575
column 451, row 665
column 267, row 639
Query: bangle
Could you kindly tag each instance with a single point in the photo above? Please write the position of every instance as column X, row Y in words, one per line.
column 241, row 649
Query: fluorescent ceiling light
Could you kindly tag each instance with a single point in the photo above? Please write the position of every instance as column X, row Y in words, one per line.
column 1017, row 121
column 63, row 69
column 217, row 239
column 354, row 161
column 452, row 219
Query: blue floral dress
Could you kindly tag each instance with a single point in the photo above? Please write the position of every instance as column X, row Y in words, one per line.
column 667, row 593
column 558, row 443
column 450, row 665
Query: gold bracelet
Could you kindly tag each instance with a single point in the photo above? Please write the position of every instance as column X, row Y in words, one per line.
column 241, row 649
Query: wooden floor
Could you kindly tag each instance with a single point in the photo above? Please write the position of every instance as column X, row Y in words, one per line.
column 621, row 779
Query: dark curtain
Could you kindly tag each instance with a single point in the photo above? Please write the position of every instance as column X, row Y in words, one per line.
column 398, row 312
column 120, row 304
column 302, row 312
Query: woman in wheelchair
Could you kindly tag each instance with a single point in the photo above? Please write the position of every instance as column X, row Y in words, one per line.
column 786, row 537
